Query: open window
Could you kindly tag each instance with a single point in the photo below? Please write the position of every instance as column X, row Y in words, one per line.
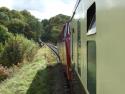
column 91, row 19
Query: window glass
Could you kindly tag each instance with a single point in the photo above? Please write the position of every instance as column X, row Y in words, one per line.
column 72, row 41
column 78, row 47
column 91, row 67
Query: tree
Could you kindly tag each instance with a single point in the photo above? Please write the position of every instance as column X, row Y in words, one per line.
column 4, row 18
column 4, row 9
column 27, row 15
column 16, row 26
column 16, row 14
column 28, row 33
column 53, row 27
column 4, row 34
column 36, row 27
column 46, row 33
column 54, row 35
column 34, row 24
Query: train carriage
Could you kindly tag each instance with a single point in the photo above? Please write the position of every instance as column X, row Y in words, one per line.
column 64, row 49
column 97, row 45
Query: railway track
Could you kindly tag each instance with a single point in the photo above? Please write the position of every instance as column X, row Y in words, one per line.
column 60, row 82
column 53, row 48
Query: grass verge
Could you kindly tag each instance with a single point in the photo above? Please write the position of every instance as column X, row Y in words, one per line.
column 32, row 78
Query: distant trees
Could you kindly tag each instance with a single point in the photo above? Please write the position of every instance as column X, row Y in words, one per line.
column 53, row 27
column 22, row 22
column 34, row 24
column 46, row 34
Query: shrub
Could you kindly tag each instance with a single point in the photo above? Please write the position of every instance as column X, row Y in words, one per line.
column 12, row 53
column 1, row 48
column 18, row 48
column 4, row 73
column 29, row 47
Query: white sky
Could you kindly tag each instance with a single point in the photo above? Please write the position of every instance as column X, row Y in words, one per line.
column 41, row 8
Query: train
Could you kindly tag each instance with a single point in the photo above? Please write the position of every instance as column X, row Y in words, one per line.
column 92, row 43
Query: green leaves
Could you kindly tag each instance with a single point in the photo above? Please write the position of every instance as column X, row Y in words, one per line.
column 16, row 49
column 16, row 14
column 53, row 27
column 16, row 26
column 4, row 34
column 3, row 18
column 21, row 22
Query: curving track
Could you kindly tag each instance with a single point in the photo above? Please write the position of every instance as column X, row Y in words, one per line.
column 53, row 48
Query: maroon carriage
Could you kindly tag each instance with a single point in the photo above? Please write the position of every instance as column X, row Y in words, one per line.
column 64, row 49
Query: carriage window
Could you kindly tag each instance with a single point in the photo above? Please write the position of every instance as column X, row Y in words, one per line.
column 72, row 41
column 78, row 47
column 91, row 67
column 91, row 19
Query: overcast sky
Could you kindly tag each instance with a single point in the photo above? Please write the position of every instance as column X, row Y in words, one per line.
column 41, row 8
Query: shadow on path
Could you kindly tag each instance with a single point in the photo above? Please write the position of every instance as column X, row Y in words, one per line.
column 47, row 81
column 40, row 83
column 51, row 80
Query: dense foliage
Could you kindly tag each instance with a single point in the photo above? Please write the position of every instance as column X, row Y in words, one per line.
column 13, row 23
column 53, row 27
column 19, row 32
column 17, row 49
column 22, row 22
column 4, row 34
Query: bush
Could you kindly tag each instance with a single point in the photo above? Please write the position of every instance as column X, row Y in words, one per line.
column 18, row 48
column 29, row 47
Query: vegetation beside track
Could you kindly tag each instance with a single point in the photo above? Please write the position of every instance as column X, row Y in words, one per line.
column 23, row 66
column 31, row 78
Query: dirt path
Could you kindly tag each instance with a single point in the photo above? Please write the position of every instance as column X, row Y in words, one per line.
column 56, row 76
column 58, row 82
